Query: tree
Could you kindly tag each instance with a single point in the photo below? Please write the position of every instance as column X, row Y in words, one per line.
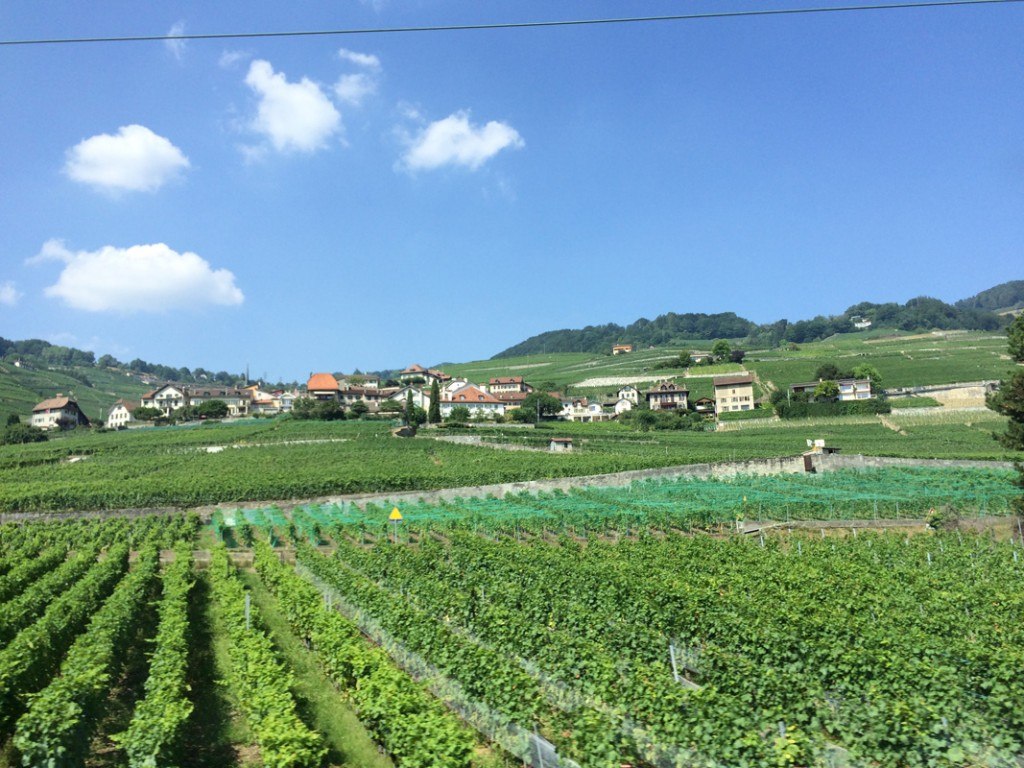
column 865, row 371
column 14, row 434
column 147, row 414
column 302, row 408
column 1009, row 401
column 645, row 419
column 825, row 391
column 391, row 406
column 459, row 415
column 359, row 409
column 721, row 349
column 434, row 414
column 737, row 355
column 831, row 372
column 409, row 414
column 542, row 404
column 13, row 418
column 212, row 409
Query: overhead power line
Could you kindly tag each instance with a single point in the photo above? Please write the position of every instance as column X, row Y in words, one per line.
column 504, row 25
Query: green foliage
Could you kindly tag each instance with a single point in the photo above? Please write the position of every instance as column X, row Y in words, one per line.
column 721, row 350
column 537, row 403
column 32, row 658
column 154, row 736
column 58, row 723
column 434, row 414
column 1003, row 296
column 262, row 682
column 801, row 409
column 866, row 371
column 826, row 391
column 459, row 415
column 1015, row 339
column 19, row 434
column 212, row 409
column 12, row 418
column 414, row 728
column 358, row 409
column 146, row 414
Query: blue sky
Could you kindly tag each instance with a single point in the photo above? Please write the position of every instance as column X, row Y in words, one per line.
column 370, row 201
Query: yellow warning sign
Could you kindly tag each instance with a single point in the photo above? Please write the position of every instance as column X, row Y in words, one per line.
column 395, row 515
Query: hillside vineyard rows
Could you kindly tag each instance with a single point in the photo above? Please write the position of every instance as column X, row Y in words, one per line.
column 596, row 628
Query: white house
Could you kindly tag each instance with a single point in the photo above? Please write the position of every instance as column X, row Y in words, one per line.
column 854, row 389
column 623, row 404
column 237, row 400
column 631, row 393
column 167, row 398
column 420, row 396
column 480, row 403
column 120, row 414
column 584, row 411
column 58, row 412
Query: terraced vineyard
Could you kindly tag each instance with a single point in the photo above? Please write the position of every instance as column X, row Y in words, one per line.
column 595, row 628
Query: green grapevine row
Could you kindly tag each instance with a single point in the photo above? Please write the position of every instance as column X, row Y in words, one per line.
column 21, row 576
column 32, row 658
column 414, row 728
column 263, row 683
column 152, row 738
column 58, row 724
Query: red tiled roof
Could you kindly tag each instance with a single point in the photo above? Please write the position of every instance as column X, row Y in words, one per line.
column 322, row 382
column 507, row 380
column 470, row 394
column 727, row 381
column 511, row 397
column 415, row 368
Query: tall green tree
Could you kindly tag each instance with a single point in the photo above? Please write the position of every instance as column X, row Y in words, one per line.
column 721, row 349
column 410, row 414
column 434, row 413
column 1009, row 401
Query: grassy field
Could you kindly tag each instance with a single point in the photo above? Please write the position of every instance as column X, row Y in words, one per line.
column 284, row 459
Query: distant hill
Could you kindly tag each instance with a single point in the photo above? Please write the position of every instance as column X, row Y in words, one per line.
column 921, row 313
column 1009, row 295
column 33, row 370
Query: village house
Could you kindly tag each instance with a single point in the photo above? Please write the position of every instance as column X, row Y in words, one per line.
column 120, row 414
column 416, row 373
column 583, row 411
column 58, row 412
column 511, row 400
column 622, row 349
column 704, row 405
column 734, row 393
column 508, row 384
column 237, row 400
column 323, row 386
column 420, row 396
column 668, row 396
column 849, row 389
column 629, row 392
column 480, row 403
column 166, row 399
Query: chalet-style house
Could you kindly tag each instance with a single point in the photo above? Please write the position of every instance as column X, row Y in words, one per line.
column 622, row 349
column 480, row 404
column 120, row 414
column 704, row 405
column 734, row 393
column 58, row 412
column 668, row 396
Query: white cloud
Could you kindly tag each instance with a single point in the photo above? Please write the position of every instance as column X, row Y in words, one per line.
column 456, row 141
column 293, row 116
column 229, row 59
column 176, row 47
column 141, row 278
column 353, row 88
column 367, row 60
column 9, row 295
column 135, row 159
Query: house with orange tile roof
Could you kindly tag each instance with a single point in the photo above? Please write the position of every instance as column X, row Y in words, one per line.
column 415, row 372
column 508, row 384
column 60, row 412
column 322, row 386
column 480, row 403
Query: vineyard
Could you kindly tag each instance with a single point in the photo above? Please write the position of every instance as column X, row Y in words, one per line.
column 268, row 460
column 598, row 627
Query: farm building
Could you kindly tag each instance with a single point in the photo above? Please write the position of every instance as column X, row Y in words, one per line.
column 58, row 412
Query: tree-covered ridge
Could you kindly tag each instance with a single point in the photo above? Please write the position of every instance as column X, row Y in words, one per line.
column 921, row 313
column 1008, row 295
